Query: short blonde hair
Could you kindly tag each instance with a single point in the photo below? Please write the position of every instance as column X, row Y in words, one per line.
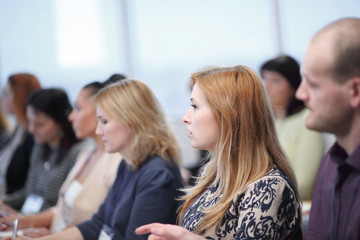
column 133, row 103
column 247, row 146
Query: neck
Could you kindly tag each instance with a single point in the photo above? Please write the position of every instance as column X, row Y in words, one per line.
column 55, row 143
column 99, row 144
column 128, row 156
column 350, row 140
column 280, row 113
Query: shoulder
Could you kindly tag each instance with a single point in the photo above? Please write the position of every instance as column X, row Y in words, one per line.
column 275, row 179
column 85, row 152
column 270, row 201
column 157, row 169
column 156, row 163
column 80, row 146
column 74, row 151
column 271, row 195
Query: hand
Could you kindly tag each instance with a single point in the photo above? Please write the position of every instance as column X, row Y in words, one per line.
column 36, row 232
column 5, row 210
column 160, row 231
column 7, row 217
column 6, row 223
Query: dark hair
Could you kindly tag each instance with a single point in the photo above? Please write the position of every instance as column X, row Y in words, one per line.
column 55, row 103
column 114, row 78
column 289, row 68
column 96, row 86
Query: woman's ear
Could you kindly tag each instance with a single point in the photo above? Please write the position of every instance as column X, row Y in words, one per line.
column 355, row 92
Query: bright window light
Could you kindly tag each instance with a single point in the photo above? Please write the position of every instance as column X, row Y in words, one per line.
column 79, row 33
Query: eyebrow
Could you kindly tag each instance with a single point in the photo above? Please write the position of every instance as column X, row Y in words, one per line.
column 193, row 100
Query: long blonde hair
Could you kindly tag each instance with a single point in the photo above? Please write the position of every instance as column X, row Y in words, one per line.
column 133, row 103
column 247, row 146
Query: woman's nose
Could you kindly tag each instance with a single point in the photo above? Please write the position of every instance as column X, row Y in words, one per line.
column 186, row 118
column 98, row 130
column 71, row 116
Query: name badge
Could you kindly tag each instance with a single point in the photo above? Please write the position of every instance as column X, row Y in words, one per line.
column 32, row 204
column 106, row 233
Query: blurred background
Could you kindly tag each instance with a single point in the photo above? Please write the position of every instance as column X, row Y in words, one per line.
column 68, row 43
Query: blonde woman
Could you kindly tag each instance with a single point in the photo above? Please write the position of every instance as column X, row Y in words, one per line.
column 248, row 189
column 145, row 190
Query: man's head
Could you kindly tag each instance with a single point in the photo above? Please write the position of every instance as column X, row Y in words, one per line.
column 331, row 70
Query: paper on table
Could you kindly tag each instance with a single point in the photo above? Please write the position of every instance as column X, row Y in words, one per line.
column 9, row 233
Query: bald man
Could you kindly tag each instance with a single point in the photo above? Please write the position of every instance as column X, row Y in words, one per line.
column 331, row 91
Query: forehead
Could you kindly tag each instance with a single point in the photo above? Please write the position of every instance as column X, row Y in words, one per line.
column 319, row 58
column 197, row 94
column 271, row 74
column 36, row 115
column 84, row 95
column 102, row 113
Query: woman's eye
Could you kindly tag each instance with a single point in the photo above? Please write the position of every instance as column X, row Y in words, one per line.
column 103, row 121
column 193, row 106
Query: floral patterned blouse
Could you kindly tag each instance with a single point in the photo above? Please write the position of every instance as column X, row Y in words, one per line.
column 265, row 209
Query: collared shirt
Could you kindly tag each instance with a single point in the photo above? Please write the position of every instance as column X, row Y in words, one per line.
column 335, row 210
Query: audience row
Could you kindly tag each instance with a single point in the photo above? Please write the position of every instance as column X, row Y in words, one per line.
column 109, row 168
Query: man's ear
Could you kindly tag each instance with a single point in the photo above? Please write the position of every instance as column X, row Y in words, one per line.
column 355, row 91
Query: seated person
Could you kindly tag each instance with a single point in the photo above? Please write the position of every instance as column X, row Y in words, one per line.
column 53, row 155
column 88, row 183
column 147, row 184
column 304, row 147
column 15, row 152
column 4, row 129
column 247, row 190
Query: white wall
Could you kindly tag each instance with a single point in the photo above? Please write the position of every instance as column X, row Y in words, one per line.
column 63, row 43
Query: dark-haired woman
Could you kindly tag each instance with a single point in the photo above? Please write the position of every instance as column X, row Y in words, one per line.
column 281, row 77
column 90, row 179
column 53, row 155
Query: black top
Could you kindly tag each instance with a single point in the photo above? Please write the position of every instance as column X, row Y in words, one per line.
column 136, row 198
column 19, row 165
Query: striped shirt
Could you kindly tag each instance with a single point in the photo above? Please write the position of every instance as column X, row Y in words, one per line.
column 45, row 177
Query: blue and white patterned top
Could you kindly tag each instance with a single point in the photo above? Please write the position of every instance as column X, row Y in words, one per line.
column 265, row 209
